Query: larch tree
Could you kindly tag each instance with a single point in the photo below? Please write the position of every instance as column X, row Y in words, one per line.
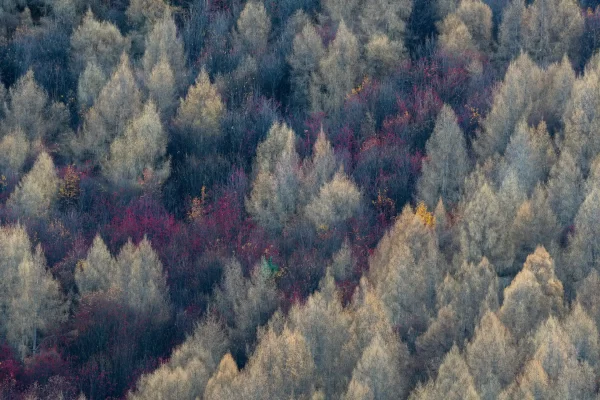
column 337, row 201
column 14, row 149
column 339, row 72
column 552, row 28
column 535, row 224
column 253, row 27
column 161, row 88
column 581, row 118
column 97, row 42
column 583, row 334
column 244, row 303
column 584, row 250
column 320, row 168
column 405, row 270
column 447, row 163
column 492, row 357
column 512, row 100
column 469, row 27
column 31, row 302
column 380, row 371
column 35, row 195
column 483, row 231
column 586, row 296
column 163, row 42
column 97, row 271
column 141, row 282
column 462, row 299
column 281, row 367
column 565, row 188
column 200, row 114
column 116, row 105
column 531, row 154
column 139, row 155
column 190, row 367
column 510, row 32
column 144, row 14
column 275, row 190
column 30, row 109
column 326, row 328
column 307, row 52
column 532, row 296
column 222, row 384
column 90, row 83
column 453, row 382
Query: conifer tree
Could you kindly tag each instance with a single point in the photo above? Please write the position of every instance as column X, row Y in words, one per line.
column 161, row 87
column 91, row 81
column 510, row 32
column 565, row 188
column 37, row 191
column 513, row 98
column 97, row 42
column 118, row 102
column 31, row 302
column 138, row 156
column 492, row 357
column 199, row 115
column 98, row 270
column 253, row 27
column 552, row 28
column 446, row 165
column 307, row 52
column 162, row 42
column 339, row 72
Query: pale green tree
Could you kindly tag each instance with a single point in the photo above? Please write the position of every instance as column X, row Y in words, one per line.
column 98, row 42
column 31, row 303
column 139, row 156
column 35, row 195
column 97, row 271
column 253, row 27
column 447, row 163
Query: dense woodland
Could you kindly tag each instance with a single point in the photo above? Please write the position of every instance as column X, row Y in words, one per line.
column 299, row 199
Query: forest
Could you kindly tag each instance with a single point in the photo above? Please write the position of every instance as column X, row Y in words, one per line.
column 299, row 199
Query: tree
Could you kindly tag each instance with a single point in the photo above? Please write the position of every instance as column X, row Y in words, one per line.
column 139, row 155
column 492, row 357
column 245, row 303
column 254, row 27
column 584, row 249
column 91, row 81
column 532, row 296
column 281, row 367
column 531, row 153
column 14, row 149
column 512, row 99
column 586, row 297
column 337, row 201
column 534, row 224
column 583, row 334
column 383, row 55
column 275, row 190
column 446, row 165
column 483, row 231
column 31, row 302
column 97, row 42
column 190, row 367
column 98, row 270
column 307, row 52
column 118, row 102
column 565, row 188
column 454, row 381
column 161, row 87
column 200, row 113
column 37, row 191
column 552, row 28
column 338, row 73
column 162, row 42
column 29, row 109
column 222, row 384
column 510, row 32
column 380, row 371
column 405, row 270
column 319, row 169
column 141, row 281
column 326, row 328
column 474, row 16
